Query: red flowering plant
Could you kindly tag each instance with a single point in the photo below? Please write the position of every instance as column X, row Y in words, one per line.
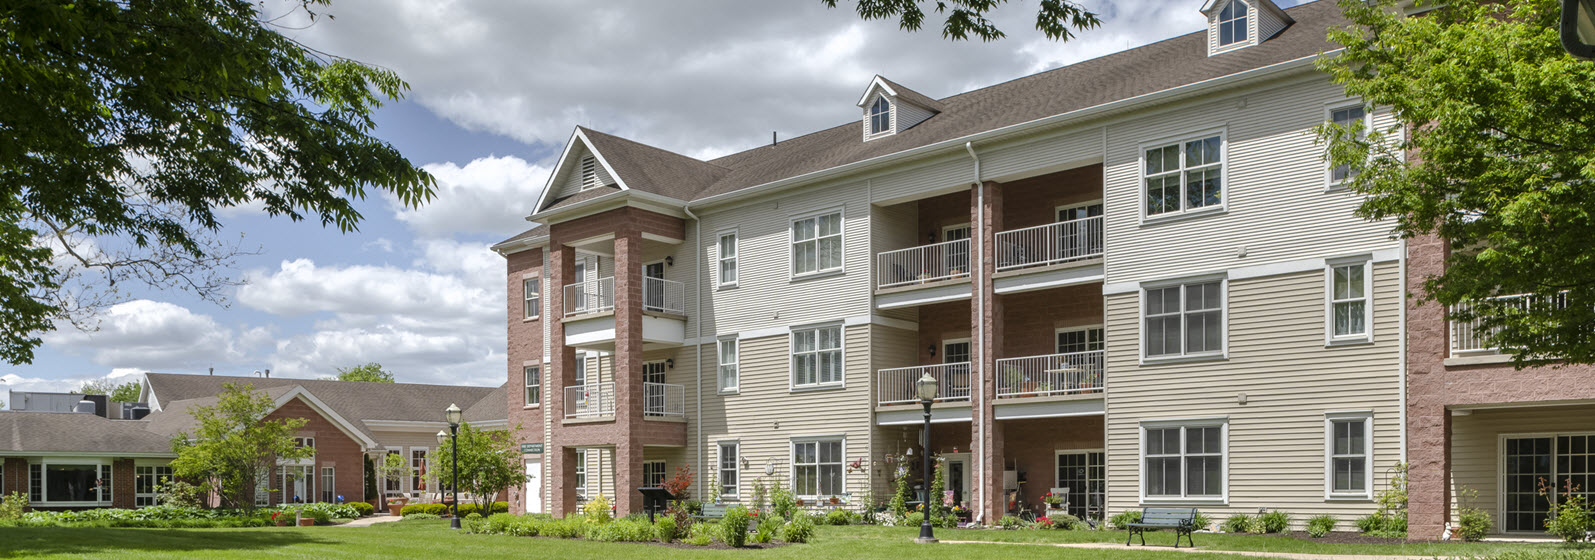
column 1052, row 499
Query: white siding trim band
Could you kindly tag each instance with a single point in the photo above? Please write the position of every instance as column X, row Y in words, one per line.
column 1259, row 271
column 785, row 330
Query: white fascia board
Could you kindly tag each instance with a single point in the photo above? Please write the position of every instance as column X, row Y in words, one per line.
column 876, row 83
column 564, row 160
column 1016, row 129
column 519, row 245
column 646, row 200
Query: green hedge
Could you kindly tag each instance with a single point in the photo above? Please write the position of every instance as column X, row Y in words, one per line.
column 363, row 508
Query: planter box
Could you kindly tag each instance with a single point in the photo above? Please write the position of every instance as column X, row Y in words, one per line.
column 307, row 521
column 393, row 509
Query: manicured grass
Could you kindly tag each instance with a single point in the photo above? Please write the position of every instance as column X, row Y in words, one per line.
column 433, row 539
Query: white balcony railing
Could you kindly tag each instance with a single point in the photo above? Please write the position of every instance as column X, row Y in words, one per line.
column 664, row 399
column 1050, row 244
column 592, row 400
column 896, row 385
column 926, row 263
column 664, row 296
column 1472, row 337
column 592, row 296
column 1057, row 374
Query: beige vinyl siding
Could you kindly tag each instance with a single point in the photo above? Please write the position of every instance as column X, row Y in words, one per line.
column 1268, row 24
column 908, row 115
column 1476, row 454
column 1278, row 358
column 766, row 414
column 889, row 348
column 1276, row 205
column 570, row 180
column 1031, row 156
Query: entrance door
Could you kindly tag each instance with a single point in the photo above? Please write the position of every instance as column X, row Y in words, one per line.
column 653, row 286
column 956, row 256
column 653, row 378
column 1078, row 238
column 958, row 476
column 1556, row 459
column 533, row 495
column 1084, row 474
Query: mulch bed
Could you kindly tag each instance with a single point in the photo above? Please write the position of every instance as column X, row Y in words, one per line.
column 718, row 545
column 1339, row 537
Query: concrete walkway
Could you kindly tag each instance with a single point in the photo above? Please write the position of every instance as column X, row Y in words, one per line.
column 369, row 521
column 1253, row 553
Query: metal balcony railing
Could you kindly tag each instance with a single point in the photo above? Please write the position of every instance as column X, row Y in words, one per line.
column 664, row 296
column 593, row 400
column 1473, row 337
column 1049, row 244
column 664, row 399
column 1056, row 374
column 926, row 263
column 896, row 385
column 592, row 296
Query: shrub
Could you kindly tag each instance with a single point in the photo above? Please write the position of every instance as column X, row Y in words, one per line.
column 567, row 528
column 474, row 523
column 734, row 526
column 1474, row 524
column 702, row 534
column 1202, row 521
column 528, row 526
column 409, row 509
column 363, row 508
column 1123, row 519
column 1059, row 521
column 665, row 529
column 782, row 502
column 436, row 509
column 1572, row 521
column 625, row 530
column 500, row 523
column 768, row 530
column 913, row 519
column 12, row 506
column 1010, row 522
column 838, row 517
column 1275, row 521
column 465, row 510
column 598, row 510
column 800, row 530
column 498, row 507
column 1381, row 525
column 1237, row 523
column 419, row 516
column 1319, row 526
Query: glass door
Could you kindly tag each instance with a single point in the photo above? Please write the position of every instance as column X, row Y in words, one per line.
column 1084, row 474
column 1078, row 237
column 653, row 286
column 1564, row 461
column 653, row 378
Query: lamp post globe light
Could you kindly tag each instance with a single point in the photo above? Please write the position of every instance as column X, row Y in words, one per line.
column 925, row 389
column 453, row 416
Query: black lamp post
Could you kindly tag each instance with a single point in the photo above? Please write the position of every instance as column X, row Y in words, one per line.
column 453, row 415
column 926, row 390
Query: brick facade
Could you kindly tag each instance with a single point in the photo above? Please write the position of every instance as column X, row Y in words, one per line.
column 525, row 348
column 334, row 448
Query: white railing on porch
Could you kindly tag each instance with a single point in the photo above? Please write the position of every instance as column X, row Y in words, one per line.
column 896, row 385
column 1056, row 374
column 926, row 263
column 1472, row 337
column 1050, row 244
column 664, row 399
column 592, row 400
column 592, row 296
column 664, row 296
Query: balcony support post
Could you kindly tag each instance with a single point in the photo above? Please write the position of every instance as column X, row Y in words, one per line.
column 629, row 392
column 563, row 370
column 986, row 208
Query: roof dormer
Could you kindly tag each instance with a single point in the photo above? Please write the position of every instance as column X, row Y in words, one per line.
column 890, row 108
column 1237, row 24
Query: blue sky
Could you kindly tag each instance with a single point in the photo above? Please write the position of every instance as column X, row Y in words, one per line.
column 496, row 90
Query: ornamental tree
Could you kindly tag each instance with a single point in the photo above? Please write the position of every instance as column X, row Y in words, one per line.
column 233, row 447
column 1496, row 119
column 1057, row 19
column 490, row 462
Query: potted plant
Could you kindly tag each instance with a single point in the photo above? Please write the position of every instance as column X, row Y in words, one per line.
column 396, row 505
column 1054, row 503
column 300, row 519
column 835, row 500
column 393, row 468
column 278, row 519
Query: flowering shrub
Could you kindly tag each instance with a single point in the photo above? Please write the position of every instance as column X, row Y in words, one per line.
column 1052, row 499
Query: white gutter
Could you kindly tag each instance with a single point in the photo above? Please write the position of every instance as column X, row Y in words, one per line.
column 980, row 330
column 697, row 283
column 952, row 144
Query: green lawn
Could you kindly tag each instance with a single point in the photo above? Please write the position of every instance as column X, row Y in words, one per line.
column 1244, row 542
column 433, row 539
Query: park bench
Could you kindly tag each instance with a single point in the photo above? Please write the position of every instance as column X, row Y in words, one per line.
column 1181, row 520
column 713, row 511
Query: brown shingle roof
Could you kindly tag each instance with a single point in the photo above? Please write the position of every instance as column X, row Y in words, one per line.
column 1123, row 75
column 912, row 96
column 37, row 432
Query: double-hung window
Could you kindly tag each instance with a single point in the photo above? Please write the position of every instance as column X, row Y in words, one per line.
column 1232, row 23
column 1348, row 445
column 729, row 377
column 417, row 469
column 581, row 473
column 817, row 244
column 532, row 290
column 329, row 488
column 147, row 481
column 817, row 467
column 1184, row 320
column 1350, row 314
column 728, row 259
column 534, row 385
column 729, row 472
column 817, row 356
column 1183, row 461
column 653, row 473
column 1184, row 176
column 880, row 116
column 1354, row 119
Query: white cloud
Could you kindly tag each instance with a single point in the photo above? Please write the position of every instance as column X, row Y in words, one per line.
column 490, row 195
column 300, row 287
column 155, row 335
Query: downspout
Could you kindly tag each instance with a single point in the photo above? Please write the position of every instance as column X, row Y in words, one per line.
column 980, row 334
column 1401, row 329
column 697, row 283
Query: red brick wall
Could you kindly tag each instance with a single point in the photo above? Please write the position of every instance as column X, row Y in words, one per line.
column 16, row 476
column 1030, row 319
column 334, row 449
column 942, row 211
column 122, row 489
column 1033, row 444
column 939, row 322
column 525, row 345
column 1034, row 201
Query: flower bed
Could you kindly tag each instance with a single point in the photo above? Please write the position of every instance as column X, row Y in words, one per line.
column 182, row 517
column 732, row 531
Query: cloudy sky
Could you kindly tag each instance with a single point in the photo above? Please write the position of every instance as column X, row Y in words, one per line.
column 496, row 89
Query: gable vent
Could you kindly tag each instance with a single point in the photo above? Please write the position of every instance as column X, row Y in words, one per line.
column 589, row 172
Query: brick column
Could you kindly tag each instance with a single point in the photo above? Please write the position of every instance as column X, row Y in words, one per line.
column 122, row 489
column 16, row 476
column 1428, row 422
column 990, row 445
column 629, row 399
column 561, row 369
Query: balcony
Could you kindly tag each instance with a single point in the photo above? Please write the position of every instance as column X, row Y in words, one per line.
column 1472, row 337
column 590, row 401
column 1077, row 373
column 922, row 265
column 896, row 386
column 664, row 400
column 592, row 296
column 590, row 319
column 1051, row 244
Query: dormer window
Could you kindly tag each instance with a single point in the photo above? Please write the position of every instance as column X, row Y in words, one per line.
column 1232, row 23
column 589, row 172
column 880, row 116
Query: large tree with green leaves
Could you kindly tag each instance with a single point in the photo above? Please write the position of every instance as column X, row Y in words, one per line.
column 125, row 392
column 233, row 445
column 490, row 462
column 127, row 125
column 371, row 372
column 1057, row 19
column 1500, row 125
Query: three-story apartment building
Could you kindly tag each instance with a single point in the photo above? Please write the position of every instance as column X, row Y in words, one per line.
column 1135, row 278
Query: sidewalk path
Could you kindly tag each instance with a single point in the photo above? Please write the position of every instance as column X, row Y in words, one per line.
column 369, row 521
column 1253, row 553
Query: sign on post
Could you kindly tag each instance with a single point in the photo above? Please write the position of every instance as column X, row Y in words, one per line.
column 531, row 448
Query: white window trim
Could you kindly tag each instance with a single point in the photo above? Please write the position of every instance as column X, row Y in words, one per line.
column 1183, row 213
column 891, row 118
column 154, row 494
column 1058, row 483
column 737, row 344
column 948, row 228
column 736, row 464
column 791, row 462
column 1329, row 301
column 1366, row 416
column 791, row 359
column 536, row 310
column 1500, row 472
column 1223, row 339
column 1251, row 29
column 950, row 341
column 791, row 241
column 662, row 471
column 736, row 259
column 1221, row 422
column 1061, row 330
column 1330, row 184
column 541, row 389
column 581, row 473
